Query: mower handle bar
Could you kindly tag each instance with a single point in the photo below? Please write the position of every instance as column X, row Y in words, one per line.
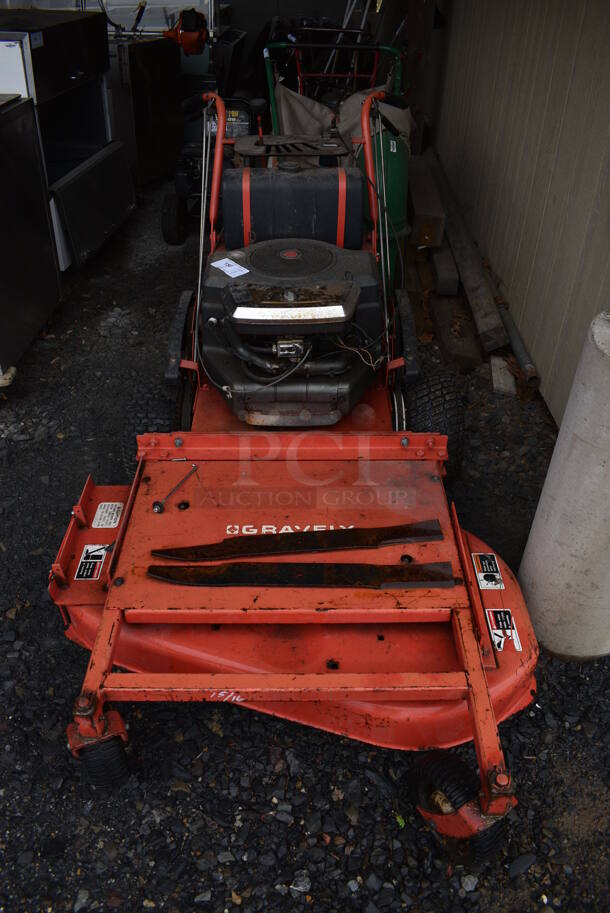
column 298, row 45
column 221, row 119
column 332, row 45
column 367, row 142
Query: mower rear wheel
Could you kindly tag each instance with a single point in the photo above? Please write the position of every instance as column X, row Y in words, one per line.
column 105, row 764
column 174, row 219
column 186, row 394
column 184, row 406
column 440, row 780
column 434, row 405
column 152, row 411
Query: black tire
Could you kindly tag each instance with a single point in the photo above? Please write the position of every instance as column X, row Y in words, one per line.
column 174, row 219
column 434, row 405
column 105, row 764
column 184, row 406
column 445, row 773
column 154, row 411
column 162, row 408
column 186, row 396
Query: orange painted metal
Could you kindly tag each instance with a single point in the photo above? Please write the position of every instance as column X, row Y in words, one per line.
column 341, row 206
column 399, row 668
column 365, row 126
column 282, row 686
column 407, row 644
column 295, row 447
column 245, row 203
column 221, row 122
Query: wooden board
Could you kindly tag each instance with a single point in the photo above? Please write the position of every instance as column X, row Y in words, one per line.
column 468, row 259
column 501, row 378
column 456, row 332
column 447, row 276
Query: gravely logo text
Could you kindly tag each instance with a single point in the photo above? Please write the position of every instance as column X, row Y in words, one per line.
column 234, row 529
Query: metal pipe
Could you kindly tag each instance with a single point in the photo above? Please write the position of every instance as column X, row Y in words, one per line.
column 384, row 282
column 385, row 243
column 349, row 9
column 524, row 359
column 365, row 128
column 221, row 119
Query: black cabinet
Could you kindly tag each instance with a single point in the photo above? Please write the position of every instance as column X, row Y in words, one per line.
column 145, row 86
column 66, row 47
column 59, row 58
column 29, row 277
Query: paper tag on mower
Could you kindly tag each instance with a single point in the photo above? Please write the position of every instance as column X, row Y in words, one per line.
column 230, row 267
column 91, row 562
column 502, row 628
column 107, row 515
column 487, row 571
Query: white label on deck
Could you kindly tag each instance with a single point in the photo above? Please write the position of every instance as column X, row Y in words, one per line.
column 91, row 562
column 107, row 515
column 487, row 571
column 502, row 628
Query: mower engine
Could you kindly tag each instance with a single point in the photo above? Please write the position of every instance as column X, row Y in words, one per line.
column 292, row 329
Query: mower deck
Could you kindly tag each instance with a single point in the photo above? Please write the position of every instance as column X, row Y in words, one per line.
column 408, row 666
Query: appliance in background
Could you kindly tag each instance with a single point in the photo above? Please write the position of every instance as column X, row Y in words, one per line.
column 145, row 91
column 59, row 58
column 29, row 274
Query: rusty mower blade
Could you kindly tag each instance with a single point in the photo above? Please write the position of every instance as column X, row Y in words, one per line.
column 247, row 574
column 264, row 545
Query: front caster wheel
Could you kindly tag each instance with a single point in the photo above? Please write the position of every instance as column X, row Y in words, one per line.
column 441, row 784
column 105, row 764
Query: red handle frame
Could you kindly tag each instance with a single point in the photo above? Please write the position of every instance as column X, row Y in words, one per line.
column 369, row 167
column 221, row 121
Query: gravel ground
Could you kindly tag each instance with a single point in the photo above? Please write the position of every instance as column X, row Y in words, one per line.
column 225, row 809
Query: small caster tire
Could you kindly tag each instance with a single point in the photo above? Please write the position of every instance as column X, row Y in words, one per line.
column 105, row 764
column 174, row 219
column 440, row 772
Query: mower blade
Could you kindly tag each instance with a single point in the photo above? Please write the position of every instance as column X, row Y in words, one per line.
column 299, row 575
column 328, row 540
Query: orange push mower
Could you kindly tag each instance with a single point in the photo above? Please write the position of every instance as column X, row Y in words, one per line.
column 290, row 547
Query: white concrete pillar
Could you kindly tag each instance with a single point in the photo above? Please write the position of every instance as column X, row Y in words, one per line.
column 565, row 571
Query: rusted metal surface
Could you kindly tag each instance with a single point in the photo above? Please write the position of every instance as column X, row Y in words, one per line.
column 159, row 506
column 463, row 822
column 331, row 293
column 477, row 608
column 301, row 687
column 322, row 615
column 294, row 543
column 314, row 445
column 496, row 799
column 302, row 575
column 112, row 726
column 293, row 144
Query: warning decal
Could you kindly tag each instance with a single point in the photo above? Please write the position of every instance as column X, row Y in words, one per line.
column 107, row 515
column 91, row 562
column 487, row 570
column 502, row 628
